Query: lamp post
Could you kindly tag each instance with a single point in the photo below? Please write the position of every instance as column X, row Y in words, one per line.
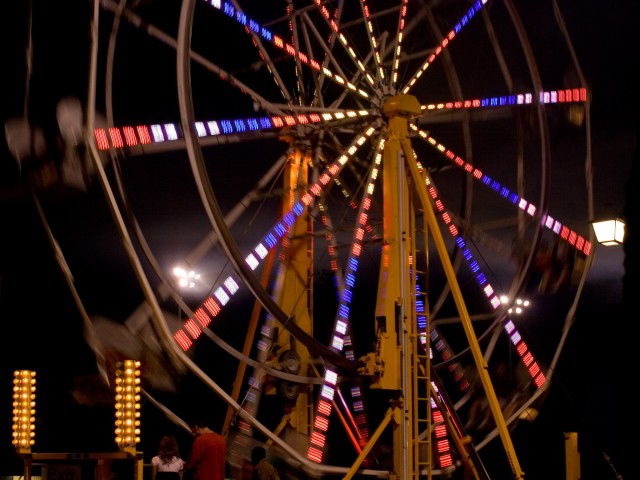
column 609, row 232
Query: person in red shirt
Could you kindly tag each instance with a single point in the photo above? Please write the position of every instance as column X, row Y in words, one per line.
column 207, row 460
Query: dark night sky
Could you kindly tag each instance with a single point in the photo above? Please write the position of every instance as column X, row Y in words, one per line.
column 38, row 315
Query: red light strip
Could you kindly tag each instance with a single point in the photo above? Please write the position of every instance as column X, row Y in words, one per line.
column 443, row 448
column 129, row 136
column 569, row 95
column 341, row 339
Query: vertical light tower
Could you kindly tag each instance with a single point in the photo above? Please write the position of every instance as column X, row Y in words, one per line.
column 128, row 405
column 24, row 410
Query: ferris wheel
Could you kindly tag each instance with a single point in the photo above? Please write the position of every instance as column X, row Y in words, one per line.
column 375, row 178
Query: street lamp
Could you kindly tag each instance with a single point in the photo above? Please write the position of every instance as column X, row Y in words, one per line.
column 609, row 232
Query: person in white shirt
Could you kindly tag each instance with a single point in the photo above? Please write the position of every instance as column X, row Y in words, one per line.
column 167, row 464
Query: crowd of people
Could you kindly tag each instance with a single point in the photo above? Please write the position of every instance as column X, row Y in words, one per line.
column 207, row 459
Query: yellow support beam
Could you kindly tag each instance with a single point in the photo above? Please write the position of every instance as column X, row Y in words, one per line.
column 483, row 370
column 572, row 456
column 390, row 365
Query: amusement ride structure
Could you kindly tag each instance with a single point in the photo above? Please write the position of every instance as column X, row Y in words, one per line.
column 391, row 164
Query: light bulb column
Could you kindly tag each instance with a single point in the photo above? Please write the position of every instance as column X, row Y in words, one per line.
column 128, row 405
column 24, row 410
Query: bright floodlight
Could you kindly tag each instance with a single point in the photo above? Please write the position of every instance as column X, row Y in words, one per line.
column 186, row 279
column 517, row 307
column 609, row 232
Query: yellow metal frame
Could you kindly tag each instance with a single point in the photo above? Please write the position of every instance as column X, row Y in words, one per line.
column 392, row 365
column 395, row 364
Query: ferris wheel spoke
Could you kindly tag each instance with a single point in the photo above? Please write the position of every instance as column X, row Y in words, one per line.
column 257, row 33
column 397, row 51
column 352, row 54
column 577, row 241
column 155, row 32
column 341, row 337
column 450, row 36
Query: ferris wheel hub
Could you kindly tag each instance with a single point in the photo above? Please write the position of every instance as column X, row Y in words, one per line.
column 402, row 105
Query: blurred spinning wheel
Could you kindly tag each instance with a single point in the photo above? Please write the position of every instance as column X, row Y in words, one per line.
column 354, row 120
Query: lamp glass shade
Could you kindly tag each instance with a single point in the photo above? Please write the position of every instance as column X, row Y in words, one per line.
column 609, row 232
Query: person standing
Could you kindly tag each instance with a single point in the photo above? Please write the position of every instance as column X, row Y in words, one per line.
column 262, row 469
column 167, row 464
column 208, row 457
